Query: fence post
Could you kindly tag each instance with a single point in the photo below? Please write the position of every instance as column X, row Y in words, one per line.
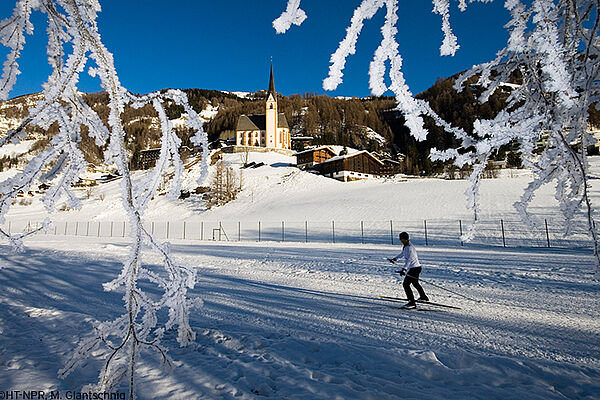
column 202, row 230
column 259, row 231
column 461, row 232
column 239, row 231
column 426, row 239
column 98, row 228
column 547, row 234
column 112, row 223
column 305, row 231
column 10, row 223
column 66, row 222
column 87, row 229
column 503, row 237
column 362, row 232
column 333, row 230
column 152, row 228
column 124, row 227
column 168, row 229
column 392, row 231
column 184, row 226
column 76, row 228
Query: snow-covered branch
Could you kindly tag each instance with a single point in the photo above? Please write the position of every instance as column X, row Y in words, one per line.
column 73, row 43
column 293, row 15
column 552, row 60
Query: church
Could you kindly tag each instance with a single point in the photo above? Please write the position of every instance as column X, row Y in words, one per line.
column 269, row 130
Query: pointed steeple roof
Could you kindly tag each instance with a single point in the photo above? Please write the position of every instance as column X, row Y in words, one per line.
column 271, row 84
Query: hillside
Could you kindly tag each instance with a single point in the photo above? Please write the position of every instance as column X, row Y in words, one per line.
column 278, row 192
column 364, row 123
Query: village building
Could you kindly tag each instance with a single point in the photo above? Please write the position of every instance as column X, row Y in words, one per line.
column 148, row 158
column 391, row 167
column 269, row 130
column 346, row 164
column 352, row 166
column 307, row 159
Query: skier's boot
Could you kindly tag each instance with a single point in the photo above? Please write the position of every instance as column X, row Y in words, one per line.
column 411, row 305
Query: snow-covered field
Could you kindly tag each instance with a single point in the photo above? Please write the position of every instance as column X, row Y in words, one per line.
column 303, row 321
column 293, row 320
column 278, row 192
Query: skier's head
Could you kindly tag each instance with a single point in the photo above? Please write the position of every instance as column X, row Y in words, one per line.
column 403, row 238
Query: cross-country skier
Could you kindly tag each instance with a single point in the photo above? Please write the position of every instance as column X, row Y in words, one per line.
column 412, row 269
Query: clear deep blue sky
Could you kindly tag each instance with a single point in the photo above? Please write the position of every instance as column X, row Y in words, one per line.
column 228, row 44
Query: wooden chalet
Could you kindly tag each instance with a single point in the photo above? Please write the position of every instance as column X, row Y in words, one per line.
column 148, row 158
column 309, row 158
column 390, row 168
column 361, row 165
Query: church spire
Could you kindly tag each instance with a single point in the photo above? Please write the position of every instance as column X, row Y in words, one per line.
column 271, row 84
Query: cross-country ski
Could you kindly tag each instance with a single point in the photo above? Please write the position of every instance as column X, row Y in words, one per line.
column 431, row 303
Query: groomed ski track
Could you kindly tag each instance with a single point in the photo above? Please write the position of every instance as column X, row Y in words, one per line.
column 300, row 321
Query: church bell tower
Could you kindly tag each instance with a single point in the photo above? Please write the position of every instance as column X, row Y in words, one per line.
column 272, row 139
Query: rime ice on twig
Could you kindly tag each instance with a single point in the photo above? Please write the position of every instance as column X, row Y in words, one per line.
column 293, row 15
column 450, row 43
column 554, row 47
column 73, row 42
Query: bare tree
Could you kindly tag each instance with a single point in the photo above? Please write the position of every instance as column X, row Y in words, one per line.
column 225, row 185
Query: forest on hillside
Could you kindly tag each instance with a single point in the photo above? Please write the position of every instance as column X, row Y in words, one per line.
column 340, row 121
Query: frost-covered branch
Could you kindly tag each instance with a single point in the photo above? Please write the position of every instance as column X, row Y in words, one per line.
column 293, row 15
column 551, row 59
column 73, row 43
column 450, row 44
column 16, row 241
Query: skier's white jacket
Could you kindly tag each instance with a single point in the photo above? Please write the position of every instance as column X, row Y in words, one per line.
column 410, row 255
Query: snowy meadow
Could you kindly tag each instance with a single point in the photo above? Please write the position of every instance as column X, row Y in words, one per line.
column 303, row 321
column 295, row 320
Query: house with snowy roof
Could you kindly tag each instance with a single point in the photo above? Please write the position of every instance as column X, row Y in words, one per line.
column 308, row 158
column 351, row 166
column 269, row 130
column 345, row 164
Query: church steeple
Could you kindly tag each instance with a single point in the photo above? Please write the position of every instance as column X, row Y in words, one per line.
column 272, row 136
column 271, row 84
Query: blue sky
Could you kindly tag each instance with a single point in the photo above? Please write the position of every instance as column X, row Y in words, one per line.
column 228, row 44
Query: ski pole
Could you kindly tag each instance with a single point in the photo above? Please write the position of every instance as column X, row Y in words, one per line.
column 437, row 286
column 448, row 290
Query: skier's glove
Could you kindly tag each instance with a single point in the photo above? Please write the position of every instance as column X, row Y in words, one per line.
column 403, row 271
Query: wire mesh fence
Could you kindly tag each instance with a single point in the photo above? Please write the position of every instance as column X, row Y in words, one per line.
column 506, row 232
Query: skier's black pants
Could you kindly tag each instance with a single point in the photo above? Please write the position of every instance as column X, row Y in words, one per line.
column 412, row 278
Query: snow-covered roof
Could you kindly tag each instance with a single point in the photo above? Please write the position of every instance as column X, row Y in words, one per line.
column 349, row 155
column 258, row 122
column 316, row 149
column 336, row 149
